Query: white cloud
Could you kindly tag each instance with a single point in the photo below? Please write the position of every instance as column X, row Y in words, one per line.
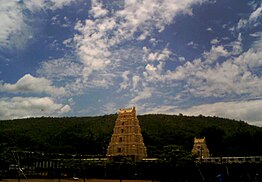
column 110, row 108
column 64, row 109
column 101, row 36
column 142, row 16
column 228, row 78
column 23, row 107
column 75, row 87
column 69, row 73
column 192, row 44
column 30, row 84
column 154, row 73
column 256, row 34
column 135, row 80
column 15, row 30
column 241, row 24
column 12, row 23
column 107, row 45
column 125, row 83
column 36, row 5
column 257, row 44
column 58, row 4
column 209, row 29
column 256, row 14
column 150, row 68
column 159, row 56
column 253, row 19
column 216, row 52
column 153, row 41
column 142, row 95
column 248, row 111
column 92, row 45
column 160, row 109
column 214, row 41
column 241, row 110
column 237, row 75
column 237, row 47
column 97, row 10
column 252, row 58
column 60, row 69
column 182, row 59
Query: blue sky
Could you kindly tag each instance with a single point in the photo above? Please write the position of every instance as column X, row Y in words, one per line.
column 82, row 58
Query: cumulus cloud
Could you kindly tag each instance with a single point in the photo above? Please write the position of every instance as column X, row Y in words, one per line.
column 30, row 84
column 23, row 107
column 97, row 9
column 154, row 73
column 216, row 52
column 64, row 109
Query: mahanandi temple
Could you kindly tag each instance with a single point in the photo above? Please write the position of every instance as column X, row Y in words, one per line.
column 127, row 140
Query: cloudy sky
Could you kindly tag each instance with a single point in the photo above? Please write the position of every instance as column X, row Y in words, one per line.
column 83, row 57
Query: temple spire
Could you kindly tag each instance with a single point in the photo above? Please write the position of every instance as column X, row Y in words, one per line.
column 200, row 148
column 127, row 140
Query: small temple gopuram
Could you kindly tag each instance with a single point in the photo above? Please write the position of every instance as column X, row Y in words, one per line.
column 127, row 140
column 200, row 148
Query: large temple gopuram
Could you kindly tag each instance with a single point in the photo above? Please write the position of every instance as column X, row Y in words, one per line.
column 127, row 140
column 200, row 148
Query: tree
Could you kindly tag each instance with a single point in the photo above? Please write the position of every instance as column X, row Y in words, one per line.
column 174, row 154
column 214, row 139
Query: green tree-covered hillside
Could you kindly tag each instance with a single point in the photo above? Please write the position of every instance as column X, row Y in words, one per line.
column 91, row 135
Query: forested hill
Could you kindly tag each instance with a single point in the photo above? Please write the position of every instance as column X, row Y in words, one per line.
column 91, row 135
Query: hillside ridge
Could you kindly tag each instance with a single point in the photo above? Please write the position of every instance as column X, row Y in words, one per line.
column 91, row 135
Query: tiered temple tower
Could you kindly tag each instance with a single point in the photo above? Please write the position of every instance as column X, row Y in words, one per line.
column 200, row 148
column 127, row 140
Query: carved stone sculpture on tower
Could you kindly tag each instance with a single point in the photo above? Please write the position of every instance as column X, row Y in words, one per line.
column 127, row 140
